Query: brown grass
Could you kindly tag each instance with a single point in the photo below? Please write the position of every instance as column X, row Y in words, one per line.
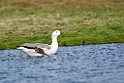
column 94, row 21
column 56, row 3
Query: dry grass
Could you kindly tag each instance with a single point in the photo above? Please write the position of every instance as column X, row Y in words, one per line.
column 56, row 3
column 92, row 21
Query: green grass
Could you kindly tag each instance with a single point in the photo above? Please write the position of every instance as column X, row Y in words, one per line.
column 93, row 24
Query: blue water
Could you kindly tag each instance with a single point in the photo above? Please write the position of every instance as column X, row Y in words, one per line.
column 78, row 64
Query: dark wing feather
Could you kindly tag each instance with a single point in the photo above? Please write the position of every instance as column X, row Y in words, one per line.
column 38, row 50
column 35, row 45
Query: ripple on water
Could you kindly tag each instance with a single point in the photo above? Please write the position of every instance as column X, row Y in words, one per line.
column 77, row 64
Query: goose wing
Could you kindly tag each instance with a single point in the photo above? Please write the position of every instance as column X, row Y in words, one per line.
column 35, row 45
column 38, row 47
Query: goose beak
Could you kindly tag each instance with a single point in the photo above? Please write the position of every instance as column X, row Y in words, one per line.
column 61, row 33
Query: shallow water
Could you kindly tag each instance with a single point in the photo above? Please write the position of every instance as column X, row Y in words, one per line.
column 78, row 64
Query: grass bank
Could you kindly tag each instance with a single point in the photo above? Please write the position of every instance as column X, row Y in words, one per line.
column 22, row 22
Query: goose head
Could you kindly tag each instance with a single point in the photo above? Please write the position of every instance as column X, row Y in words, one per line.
column 56, row 33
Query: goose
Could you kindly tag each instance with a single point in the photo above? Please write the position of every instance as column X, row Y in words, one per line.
column 39, row 49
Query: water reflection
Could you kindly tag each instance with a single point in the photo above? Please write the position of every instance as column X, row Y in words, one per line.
column 78, row 64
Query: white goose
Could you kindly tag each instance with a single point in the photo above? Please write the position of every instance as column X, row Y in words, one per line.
column 38, row 49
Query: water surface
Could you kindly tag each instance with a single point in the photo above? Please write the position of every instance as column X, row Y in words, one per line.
column 78, row 64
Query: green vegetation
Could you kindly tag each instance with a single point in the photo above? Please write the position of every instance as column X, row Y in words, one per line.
column 20, row 23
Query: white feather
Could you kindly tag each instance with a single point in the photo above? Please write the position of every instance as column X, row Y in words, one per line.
column 47, row 49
